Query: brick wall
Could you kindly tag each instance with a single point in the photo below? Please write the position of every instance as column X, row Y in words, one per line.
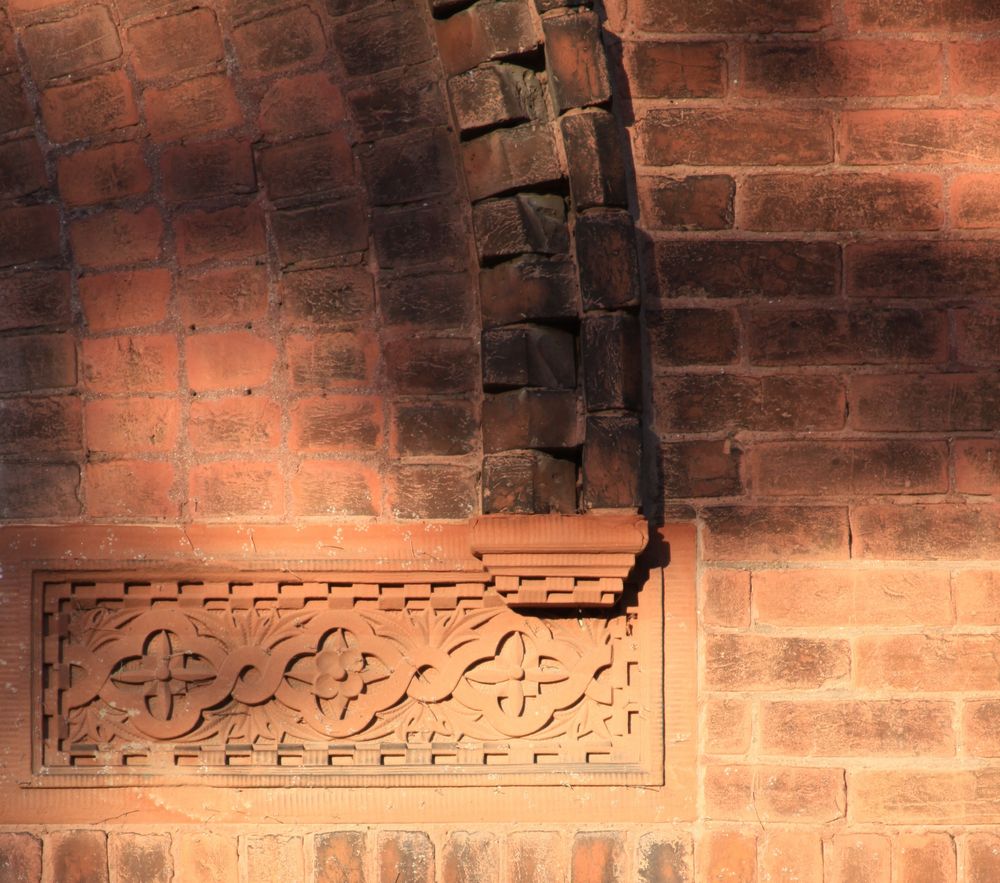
column 816, row 186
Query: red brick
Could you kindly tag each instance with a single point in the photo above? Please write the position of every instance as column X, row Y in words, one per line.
column 234, row 488
column 421, row 164
column 727, row 855
column 932, row 270
column 329, row 361
column 470, row 858
column 77, row 856
column 72, row 44
column 751, row 270
column 695, row 136
column 40, row 491
column 977, row 597
column 982, row 857
column 321, row 232
column 840, row 201
column 20, row 858
column 305, row 105
column 863, row 468
column 233, row 233
column 701, row 469
column 886, row 796
column 383, row 37
column 129, row 299
column 529, row 287
column 14, row 110
column 483, row 32
column 432, row 365
column 8, row 51
column 223, row 297
column 103, row 174
column 141, row 858
column 92, row 107
column 975, row 68
column 926, row 662
column 923, row 402
column 307, row 167
column 716, row 402
column 836, row 337
column 612, row 456
column 431, row 300
column 335, row 488
column 340, row 857
column 850, row 597
column 702, row 202
column 791, row 855
column 22, row 169
column 943, row 530
column 597, row 856
column 405, row 857
column 428, row 234
column 850, row 728
column 130, row 489
column 175, row 44
column 28, row 233
column 676, row 70
column 535, row 857
column 758, row 662
column 337, row 423
column 132, row 425
column 273, row 857
column 206, row 169
column 279, row 42
column 575, row 59
column 720, row 16
column 933, row 15
column 35, row 298
column 140, row 363
column 884, row 137
column 510, row 159
column 329, row 296
column 145, row 8
column 532, row 418
column 526, row 482
column 203, row 855
column 975, row 201
column 207, row 104
column 769, row 533
column 841, row 69
column 774, row 794
column 37, row 361
column 977, row 466
column 116, row 237
column 524, row 223
column 235, row 423
column 229, row 360
column 981, row 725
column 725, row 598
column 607, row 261
column 40, row 424
column 727, row 726
column 692, row 336
column 434, row 491
column 493, row 94
column 865, row 858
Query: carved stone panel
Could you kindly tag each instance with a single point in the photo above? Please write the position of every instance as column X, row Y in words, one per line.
column 256, row 679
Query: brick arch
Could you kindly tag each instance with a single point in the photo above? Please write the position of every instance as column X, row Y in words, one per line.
column 252, row 247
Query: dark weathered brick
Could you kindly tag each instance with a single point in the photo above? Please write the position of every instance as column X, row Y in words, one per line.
column 529, row 356
column 612, row 463
column 409, row 168
column 611, row 352
column 529, row 288
column 526, row 482
column 575, row 59
column 532, row 418
column 607, row 260
column 594, row 156
column 523, row 223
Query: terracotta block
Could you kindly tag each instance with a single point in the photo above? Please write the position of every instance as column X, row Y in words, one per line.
column 140, row 858
column 40, row 424
column 676, row 70
column 665, row 859
column 235, row 488
column 32, row 362
column 304, row 105
column 575, row 59
column 280, row 42
column 117, row 237
column 231, row 234
column 307, row 166
column 132, row 425
column 273, row 857
column 335, row 489
column 926, row 856
column 597, row 856
column 20, row 858
column 857, row 728
column 340, row 857
column 769, row 533
column 22, row 169
column 35, row 299
column 320, row 232
column 860, row 857
column 229, row 359
column 381, row 38
column 222, row 297
column 433, row 491
column 175, row 44
column 528, row 482
column 28, row 234
column 127, row 299
column 234, row 423
column 471, row 858
column 72, row 44
column 337, row 423
column 76, row 857
column 206, row 169
column 758, row 662
column 405, row 857
column 535, row 857
column 206, row 104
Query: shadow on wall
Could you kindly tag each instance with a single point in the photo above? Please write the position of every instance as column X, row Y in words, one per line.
column 235, row 265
